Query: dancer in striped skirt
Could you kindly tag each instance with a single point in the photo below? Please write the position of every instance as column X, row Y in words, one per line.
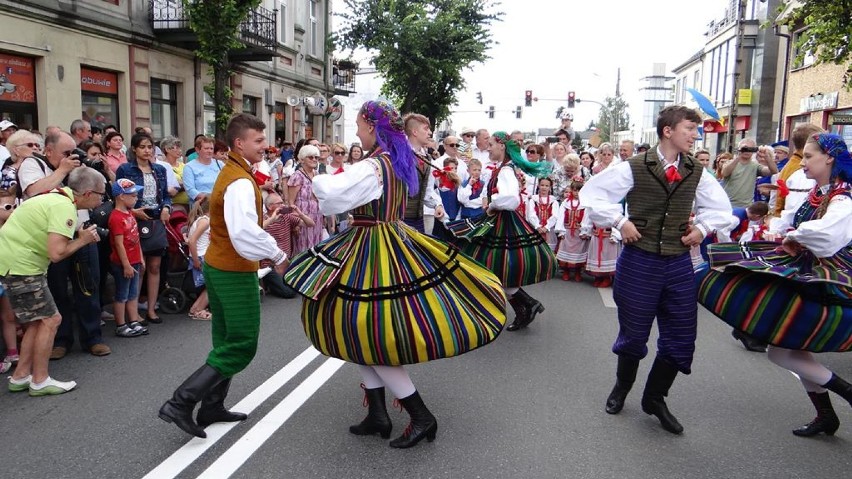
column 654, row 277
column 799, row 299
column 502, row 240
column 381, row 294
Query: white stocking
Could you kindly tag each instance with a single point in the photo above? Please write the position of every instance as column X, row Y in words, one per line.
column 371, row 379
column 396, row 379
column 812, row 374
column 510, row 291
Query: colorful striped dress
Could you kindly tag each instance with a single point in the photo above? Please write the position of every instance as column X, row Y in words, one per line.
column 380, row 293
column 798, row 302
column 505, row 242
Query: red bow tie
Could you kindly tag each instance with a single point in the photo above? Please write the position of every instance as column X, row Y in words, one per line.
column 672, row 174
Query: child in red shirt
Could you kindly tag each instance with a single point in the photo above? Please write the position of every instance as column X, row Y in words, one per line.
column 126, row 259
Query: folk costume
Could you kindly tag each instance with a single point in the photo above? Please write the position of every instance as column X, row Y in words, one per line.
column 604, row 250
column 503, row 241
column 381, row 294
column 799, row 304
column 541, row 213
column 654, row 277
column 470, row 198
column 573, row 247
column 237, row 243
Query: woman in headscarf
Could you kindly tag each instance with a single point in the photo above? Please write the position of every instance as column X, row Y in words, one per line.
column 797, row 297
column 503, row 240
column 382, row 295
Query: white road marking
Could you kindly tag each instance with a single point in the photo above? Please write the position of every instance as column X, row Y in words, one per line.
column 242, row 450
column 193, row 449
column 606, row 297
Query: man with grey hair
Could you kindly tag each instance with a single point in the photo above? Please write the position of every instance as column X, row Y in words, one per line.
column 42, row 231
column 81, row 130
column 740, row 173
column 481, row 148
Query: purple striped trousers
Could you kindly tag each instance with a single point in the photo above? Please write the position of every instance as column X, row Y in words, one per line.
column 648, row 286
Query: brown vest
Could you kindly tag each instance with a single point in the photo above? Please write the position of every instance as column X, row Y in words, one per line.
column 221, row 253
column 661, row 211
column 414, row 205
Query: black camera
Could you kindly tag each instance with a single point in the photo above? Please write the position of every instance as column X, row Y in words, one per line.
column 552, row 139
column 97, row 165
column 102, row 232
column 748, row 149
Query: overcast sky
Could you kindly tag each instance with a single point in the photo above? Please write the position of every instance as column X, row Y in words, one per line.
column 555, row 46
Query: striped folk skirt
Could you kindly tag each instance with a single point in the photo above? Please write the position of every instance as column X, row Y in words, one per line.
column 799, row 303
column 573, row 251
column 387, row 295
column 507, row 245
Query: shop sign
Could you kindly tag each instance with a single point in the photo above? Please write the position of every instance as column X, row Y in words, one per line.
column 819, row 101
column 845, row 119
column 17, row 79
column 97, row 81
column 744, row 96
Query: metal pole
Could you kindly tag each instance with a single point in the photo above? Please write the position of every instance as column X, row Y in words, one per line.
column 737, row 66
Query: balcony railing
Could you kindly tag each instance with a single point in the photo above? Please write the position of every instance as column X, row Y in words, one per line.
column 257, row 32
column 343, row 80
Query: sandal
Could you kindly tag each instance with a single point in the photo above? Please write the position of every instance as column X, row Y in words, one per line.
column 202, row 315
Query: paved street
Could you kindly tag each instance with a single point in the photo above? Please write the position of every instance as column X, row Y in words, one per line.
column 528, row 406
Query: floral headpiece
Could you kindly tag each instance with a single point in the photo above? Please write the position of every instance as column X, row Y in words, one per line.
column 834, row 146
column 390, row 137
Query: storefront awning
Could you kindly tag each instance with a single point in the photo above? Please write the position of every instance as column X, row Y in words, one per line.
column 741, row 123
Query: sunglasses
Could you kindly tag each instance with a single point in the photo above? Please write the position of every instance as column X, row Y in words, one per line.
column 468, row 134
column 30, row 145
column 339, row 153
column 533, row 152
column 8, row 207
column 452, row 145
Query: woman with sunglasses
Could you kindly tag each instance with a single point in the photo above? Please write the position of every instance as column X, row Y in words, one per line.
column 535, row 154
column 21, row 145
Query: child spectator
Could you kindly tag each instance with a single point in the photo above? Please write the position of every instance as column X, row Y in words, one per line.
column 126, row 259
column 604, row 248
column 573, row 249
column 752, row 226
column 198, row 239
column 541, row 211
column 8, row 203
column 470, row 192
column 447, row 183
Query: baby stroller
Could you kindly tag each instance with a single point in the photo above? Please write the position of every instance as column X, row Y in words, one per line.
column 180, row 288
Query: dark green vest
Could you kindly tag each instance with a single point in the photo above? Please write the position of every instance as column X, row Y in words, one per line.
column 661, row 211
column 414, row 205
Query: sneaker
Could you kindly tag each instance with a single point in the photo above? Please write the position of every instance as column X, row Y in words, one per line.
column 12, row 358
column 107, row 316
column 100, row 349
column 19, row 385
column 138, row 327
column 51, row 387
column 125, row 331
column 58, row 352
column 5, row 366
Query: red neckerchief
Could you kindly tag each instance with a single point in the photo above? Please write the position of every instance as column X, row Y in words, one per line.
column 445, row 182
column 339, row 171
column 475, row 187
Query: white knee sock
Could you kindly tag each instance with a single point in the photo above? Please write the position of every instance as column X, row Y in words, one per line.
column 510, row 291
column 396, row 379
column 812, row 374
column 370, row 378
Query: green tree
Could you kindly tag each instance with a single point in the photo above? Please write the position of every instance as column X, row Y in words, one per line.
column 420, row 47
column 828, row 32
column 619, row 107
column 216, row 25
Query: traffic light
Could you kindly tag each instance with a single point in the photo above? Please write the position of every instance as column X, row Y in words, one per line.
column 528, row 98
column 479, row 97
column 491, row 112
column 518, row 113
column 571, row 99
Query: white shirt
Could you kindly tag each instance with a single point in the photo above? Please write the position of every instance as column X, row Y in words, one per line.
column 803, row 185
column 508, row 196
column 602, row 195
column 359, row 185
column 483, row 156
column 4, row 154
column 171, row 178
column 826, row 236
column 249, row 239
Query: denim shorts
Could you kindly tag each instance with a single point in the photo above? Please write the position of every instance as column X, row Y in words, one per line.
column 125, row 288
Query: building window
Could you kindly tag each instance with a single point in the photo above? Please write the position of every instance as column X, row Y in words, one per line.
column 802, row 58
column 17, row 90
column 314, row 9
column 697, row 80
column 250, row 104
column 209, row 116
column 282, row 21
column 99, row 91
column 840, row 123
column 163, row 108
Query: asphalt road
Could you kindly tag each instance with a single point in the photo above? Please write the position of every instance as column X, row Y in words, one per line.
column 530, row 405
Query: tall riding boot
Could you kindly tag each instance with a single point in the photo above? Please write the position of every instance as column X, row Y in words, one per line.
column 213, row 407
column 179, row 408
column 840, row 387
column 826, row 420
column 625, row 376
column 521, row 312
column 423, row 423
column 534, row 306
column 660, row 380
column 377, row 420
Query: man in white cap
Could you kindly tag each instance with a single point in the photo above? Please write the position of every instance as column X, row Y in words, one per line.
column 6, row 130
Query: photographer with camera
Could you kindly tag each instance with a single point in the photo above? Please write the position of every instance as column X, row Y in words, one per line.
column 739, row 173
column 42, row 174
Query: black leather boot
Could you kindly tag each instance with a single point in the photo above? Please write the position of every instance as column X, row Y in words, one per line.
column 521, row 312
column 179, row 408
column 213, row 407
column 534, row 306
column 749, row 342
column 840, row 387
column 423, row 423
column 377, row 420
column 625, row 376
column 660, row 380
column 826, row 420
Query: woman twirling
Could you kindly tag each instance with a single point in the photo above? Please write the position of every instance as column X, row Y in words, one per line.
column 382, row 295
column 797, row 298
column 502, row 240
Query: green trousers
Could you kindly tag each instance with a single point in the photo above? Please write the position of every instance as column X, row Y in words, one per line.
column 235, row 304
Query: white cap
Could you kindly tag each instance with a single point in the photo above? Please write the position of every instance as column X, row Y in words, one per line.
column 467, row 130
column 6, row 124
